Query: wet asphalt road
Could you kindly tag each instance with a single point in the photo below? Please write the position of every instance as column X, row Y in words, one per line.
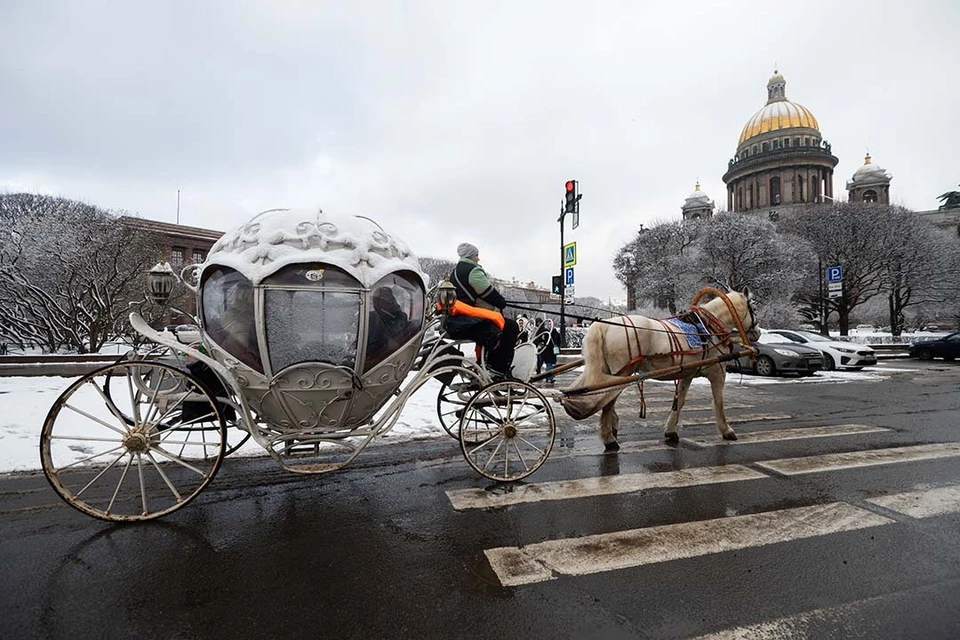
column 378, row 551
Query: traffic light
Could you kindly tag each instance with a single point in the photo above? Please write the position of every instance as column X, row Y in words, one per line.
column 570, row 204
column 557, row 287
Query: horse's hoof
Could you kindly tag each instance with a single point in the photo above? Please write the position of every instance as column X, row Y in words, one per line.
column 671, row 437
column 730, row 436
column 610, row 447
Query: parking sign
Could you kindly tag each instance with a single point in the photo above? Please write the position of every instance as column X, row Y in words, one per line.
column 834, row 274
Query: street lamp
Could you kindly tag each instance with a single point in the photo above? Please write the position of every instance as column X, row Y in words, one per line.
column 160, row 281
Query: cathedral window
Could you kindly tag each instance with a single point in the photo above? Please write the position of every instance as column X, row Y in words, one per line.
column 775, row 190
column 796, row 142
column 870, row 196
column 763, row 146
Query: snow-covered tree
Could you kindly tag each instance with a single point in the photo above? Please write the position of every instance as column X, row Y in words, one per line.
column 861, row 238
column 657, row 263
column 736, row 251
column 68, row 272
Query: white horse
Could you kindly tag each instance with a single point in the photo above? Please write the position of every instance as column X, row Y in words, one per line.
column 622, row 346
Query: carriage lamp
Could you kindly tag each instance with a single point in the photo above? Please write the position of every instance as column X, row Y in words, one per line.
column 446, row 296
column 160, row 280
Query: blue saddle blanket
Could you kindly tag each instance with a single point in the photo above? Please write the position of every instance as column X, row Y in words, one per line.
column 692, row 332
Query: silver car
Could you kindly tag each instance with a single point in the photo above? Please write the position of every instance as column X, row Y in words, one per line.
column 777, row 358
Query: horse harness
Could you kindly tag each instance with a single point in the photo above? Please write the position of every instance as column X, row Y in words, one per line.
column 712, row 334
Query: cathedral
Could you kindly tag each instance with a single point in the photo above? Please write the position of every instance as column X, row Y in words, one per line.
column 782, row 161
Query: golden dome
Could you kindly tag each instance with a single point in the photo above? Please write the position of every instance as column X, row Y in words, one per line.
column 778, row 113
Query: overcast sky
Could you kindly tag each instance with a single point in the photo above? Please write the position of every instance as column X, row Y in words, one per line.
column 460, row 121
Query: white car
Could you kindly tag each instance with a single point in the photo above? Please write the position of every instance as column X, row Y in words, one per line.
column 836, row 354
column 185, row 333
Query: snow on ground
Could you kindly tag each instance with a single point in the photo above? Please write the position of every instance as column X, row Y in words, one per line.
column 25, row 401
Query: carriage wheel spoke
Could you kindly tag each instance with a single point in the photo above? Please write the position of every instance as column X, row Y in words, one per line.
column 526, row 467
column 529, row 444
column 95, row 419
column 119, row 484
column 111, row 406
column 165, row 478
column 143, row 488
column 85, row 439
column 493, row 455
column 96, row 455
column 134, row 397
column 97, row 477
column 180, row 462
column 154, row 407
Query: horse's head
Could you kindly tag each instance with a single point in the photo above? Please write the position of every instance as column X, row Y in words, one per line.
column 748, row 316
column 741, row 306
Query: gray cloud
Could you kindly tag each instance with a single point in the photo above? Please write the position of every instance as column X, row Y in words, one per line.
column 459, row 121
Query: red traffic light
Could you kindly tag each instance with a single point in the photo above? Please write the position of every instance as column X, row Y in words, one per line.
column 571, row 185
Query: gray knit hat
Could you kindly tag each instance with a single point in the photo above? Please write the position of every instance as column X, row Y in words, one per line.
column 467, row 250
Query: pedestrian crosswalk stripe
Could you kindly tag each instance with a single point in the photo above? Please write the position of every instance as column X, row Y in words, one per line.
column 739, row 419
column 835, row 461
column 463, row 499
column 922, row 504
column 543, row 561
column 796, row 433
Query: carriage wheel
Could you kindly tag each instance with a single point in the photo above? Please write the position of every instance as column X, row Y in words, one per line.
column 507, row 430
column 142, row 378
column 132, row 441
column 454, row 396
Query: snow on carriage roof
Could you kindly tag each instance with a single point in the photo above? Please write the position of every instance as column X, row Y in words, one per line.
column 278, row 237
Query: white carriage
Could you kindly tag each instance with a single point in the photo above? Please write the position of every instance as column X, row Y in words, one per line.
column 315, row 332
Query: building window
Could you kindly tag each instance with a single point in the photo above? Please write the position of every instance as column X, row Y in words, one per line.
column 753, row 149
column 775, row 190
column 776, row 144
column 198, row 256
column 806, row 142
column 796, row 142
column 763, row 146
column 814, row 189
column 176, row 256
column 800, row 197
column 870, row 196
column 749, row 196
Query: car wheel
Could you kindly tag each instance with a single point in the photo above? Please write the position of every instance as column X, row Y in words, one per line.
column 765, row 366
column 925, row 354
column 829, row 364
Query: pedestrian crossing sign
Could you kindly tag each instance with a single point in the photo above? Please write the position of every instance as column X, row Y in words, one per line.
column 570, row 254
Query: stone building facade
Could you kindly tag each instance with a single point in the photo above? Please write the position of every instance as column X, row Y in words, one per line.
column 781, row 157
column 870, row 183
column 177, row 244
column 697, row 205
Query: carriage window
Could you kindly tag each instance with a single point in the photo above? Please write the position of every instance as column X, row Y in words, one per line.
column 229, row 317
column 314, row 320
column 395, row 318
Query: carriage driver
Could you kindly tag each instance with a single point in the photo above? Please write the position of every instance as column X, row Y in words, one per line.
column 480, row 317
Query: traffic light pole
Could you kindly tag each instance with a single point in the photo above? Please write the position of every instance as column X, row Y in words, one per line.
column 563, row 285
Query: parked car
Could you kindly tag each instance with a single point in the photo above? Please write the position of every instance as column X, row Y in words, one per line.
column 947, row 347
column 185, row 333
column 836, row 354
column 777, row 358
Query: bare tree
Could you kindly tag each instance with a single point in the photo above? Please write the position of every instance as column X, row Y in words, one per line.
column 68, row 272
column 656, row 264
column 923, row 267
column 735, row 251
column 856, row 236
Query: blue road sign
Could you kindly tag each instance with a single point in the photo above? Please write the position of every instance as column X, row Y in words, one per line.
column 570, row 254
column 568, row 276
column 834, row 274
